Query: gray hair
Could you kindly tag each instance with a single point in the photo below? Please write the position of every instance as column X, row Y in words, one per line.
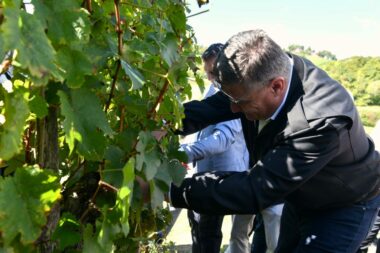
column 250, row 58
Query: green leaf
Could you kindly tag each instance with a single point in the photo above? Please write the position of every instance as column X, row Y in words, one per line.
column 125, row 194
column 72, row 132
column 67, row 231
column 163, row 173
column 126, row 139
column 157, row 195
column 177, row 18
column 2, row 49
column 113, row 173
column 176, row 171
column 85, row 122
column 98, row 50
column 90, row 243
column 25, row 201
column 115, row 156
column 200, row 81
column 38, row 106
column 16, row 113
column 136, row 77
column 88, row 107
column 148, row 155
column 66, row 22
column 169, row 50
column 108, row 232
column 135, row 105
column 74, row 65
column 24, row 32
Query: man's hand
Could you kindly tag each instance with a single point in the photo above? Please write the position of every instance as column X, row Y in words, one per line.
column 158, row 134
column 145, row 190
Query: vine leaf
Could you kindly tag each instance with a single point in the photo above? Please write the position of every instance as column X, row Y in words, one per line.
column 16, row 113
column 178, row 20
column 66, row 22
column 176, row 171
column 163, row 173
column 125, row 194
column 90, row 243
column 136, row 77
column 148, row 155
column 2, row 51
column 67, row 231
column 85, row 122
column 115, row 162
column 38, row 106
column 75, row 65
column 107, row 233
column 169, row 49
column 25, row 200
column 25, row 33
column 157, row 195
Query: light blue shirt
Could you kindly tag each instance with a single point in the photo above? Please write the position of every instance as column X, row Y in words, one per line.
column 219, row 147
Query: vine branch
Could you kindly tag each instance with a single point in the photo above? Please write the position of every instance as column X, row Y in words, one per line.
column 135, row 5
column 122, row 116
column 89, row 5
column 74, row 172
column 92, row 200
column 28, row 142
column 152, row 111
column 119, row 32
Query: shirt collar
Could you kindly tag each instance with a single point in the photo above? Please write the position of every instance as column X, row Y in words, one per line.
column 274, row 115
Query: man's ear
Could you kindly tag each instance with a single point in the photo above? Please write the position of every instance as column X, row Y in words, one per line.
column 278, row 86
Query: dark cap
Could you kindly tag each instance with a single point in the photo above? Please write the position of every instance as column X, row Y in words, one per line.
column 212, row 51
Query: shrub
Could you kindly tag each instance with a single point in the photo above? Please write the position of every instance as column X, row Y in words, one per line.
column 369, row 115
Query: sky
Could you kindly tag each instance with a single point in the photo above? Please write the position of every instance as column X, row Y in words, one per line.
column 344, row 27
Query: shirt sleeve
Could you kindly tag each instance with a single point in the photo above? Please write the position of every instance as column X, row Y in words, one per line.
column 209, row 111
column 220, row 140
column 284, row 169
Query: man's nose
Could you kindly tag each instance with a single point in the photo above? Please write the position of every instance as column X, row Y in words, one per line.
column 235, row 108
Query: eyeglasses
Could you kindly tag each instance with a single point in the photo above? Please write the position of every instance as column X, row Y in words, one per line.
column 232, row 100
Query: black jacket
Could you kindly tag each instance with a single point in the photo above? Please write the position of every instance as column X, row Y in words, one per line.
column 315, row 154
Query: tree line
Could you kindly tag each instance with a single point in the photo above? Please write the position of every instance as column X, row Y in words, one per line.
column 359, row 74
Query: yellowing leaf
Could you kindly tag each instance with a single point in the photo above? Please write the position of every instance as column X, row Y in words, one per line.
column 16, row 113
column 25, row 200
column 24, row 32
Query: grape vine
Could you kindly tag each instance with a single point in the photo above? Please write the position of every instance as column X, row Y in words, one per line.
column 92, row 80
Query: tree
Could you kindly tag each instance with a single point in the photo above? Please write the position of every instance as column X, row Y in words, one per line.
column 294, row 48
column 373, row 90
column 92, row 82
column 358, row 74
column 327, row 55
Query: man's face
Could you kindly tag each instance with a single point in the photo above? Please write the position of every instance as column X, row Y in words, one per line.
column 208, row 67
column 257, row 103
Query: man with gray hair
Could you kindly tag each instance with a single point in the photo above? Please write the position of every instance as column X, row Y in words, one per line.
column 218, row 147
column 306, row 143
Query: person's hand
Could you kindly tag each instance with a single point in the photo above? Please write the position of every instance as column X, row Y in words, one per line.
column 185, row 165
column 145, row 189
column 158, row 134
